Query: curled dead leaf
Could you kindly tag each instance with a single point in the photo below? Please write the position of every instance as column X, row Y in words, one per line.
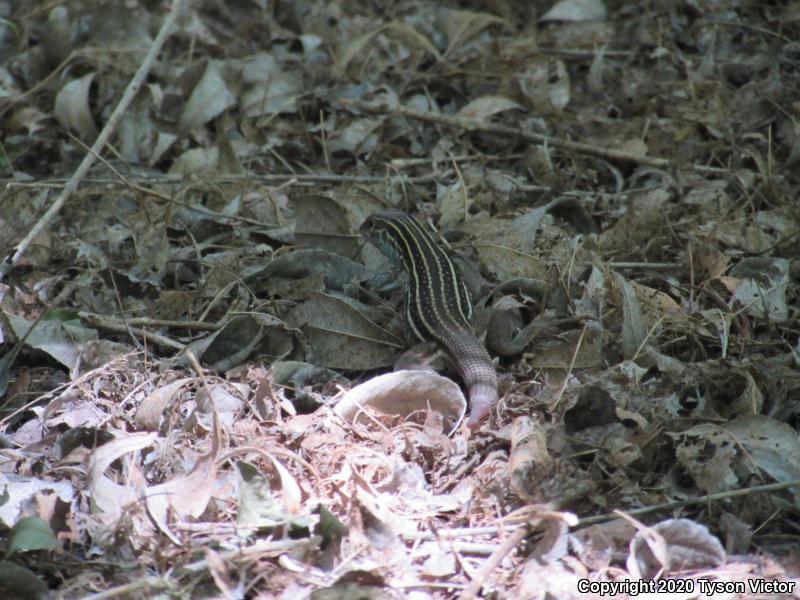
column 675, row 545
column 403, row 393
column 72, row 107
column 148, row 416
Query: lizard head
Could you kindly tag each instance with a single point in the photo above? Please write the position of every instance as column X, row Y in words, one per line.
column 385, row 231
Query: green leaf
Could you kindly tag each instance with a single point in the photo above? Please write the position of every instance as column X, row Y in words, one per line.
column 18, row 582
column 31, row 533
column 65, row 315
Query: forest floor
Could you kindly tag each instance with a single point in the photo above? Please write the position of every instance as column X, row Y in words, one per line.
column 197, row 398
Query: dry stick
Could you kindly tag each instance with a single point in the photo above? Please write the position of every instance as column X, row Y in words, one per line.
column 157, row 323
column 119, row 175
column 300, row 180
column 88, row 160
column 661, row 266
column 563, row 387
column 153, row 583
column 759, row 489
column 466, row 532
column 169, row 580
column 511, row 542
column 101, row 322
column 471, row 124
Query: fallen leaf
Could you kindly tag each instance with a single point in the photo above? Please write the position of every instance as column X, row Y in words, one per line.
column 402, row 393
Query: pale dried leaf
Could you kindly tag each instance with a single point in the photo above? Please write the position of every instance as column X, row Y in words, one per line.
column 712, row 473
column 257, row 506
column 350, row 51
column 771, row 445
column 462, row 25
column 403, row 393
column 185, row 495
column 72, row 107
column 454, row 202
column 210, row 97
column 107, row 496
column 439, row 561
column 488, row 106
column 151, row 410
column 687, row 546
column 545, row 84
column 413, row 37
column 195, row 160
column 290, row 489
column 219, row 398
column 634, row 332
column 576, row 10
column 324, row 222
column 762, row 287
column 553, row 580
column 270, row 88
column 358, row 137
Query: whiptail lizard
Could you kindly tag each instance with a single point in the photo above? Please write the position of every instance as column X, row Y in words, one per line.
column 437, row 303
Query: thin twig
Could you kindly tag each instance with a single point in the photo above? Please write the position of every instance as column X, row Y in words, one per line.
column 471, row 124
column 276, row 178
column 159, row 323
column 88, row 160
column 568, row 374
column 401, row 163
column 579, row 53
column 139, row 585
column 257, row 549
column 654, row 266
column 511, row 542
column 115, row 326
column 116, row 172
column 493, row 530
column 670, row 506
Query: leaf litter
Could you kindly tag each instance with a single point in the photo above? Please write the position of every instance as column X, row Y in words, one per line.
column 617, row 181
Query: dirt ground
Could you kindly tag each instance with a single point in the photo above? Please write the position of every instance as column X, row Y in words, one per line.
column 196, row 387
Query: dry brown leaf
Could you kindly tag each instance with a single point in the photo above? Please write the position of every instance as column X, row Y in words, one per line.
column 325, row 222
column 151, row 410
column 340, row 335
column 185, row 495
